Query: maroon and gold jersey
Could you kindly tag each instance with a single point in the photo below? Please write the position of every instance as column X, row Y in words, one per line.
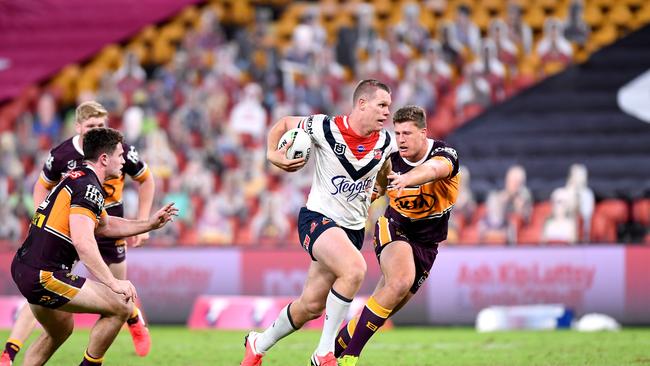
column 423, row 211
column 48, row 245
column 69, row 155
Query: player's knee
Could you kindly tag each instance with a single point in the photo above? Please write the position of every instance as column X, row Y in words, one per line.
column 356, row 274
column 122, row 310
column 126, row 310
column 400, row 286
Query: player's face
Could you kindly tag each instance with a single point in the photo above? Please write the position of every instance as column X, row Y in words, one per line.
column 411, row 140
column 115, row 163
column 376, row 109
column 89, row 124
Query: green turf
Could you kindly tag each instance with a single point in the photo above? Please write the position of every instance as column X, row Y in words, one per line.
column 400, row 347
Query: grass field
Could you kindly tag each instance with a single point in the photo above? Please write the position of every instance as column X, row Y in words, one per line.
column 399, row 347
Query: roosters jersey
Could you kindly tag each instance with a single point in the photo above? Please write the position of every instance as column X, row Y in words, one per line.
column 48, row 245
column 423, row 211
column 346, row 166
column 69, row 155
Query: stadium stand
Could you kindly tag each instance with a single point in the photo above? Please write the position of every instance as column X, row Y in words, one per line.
column 571, row 117
column 198, row 58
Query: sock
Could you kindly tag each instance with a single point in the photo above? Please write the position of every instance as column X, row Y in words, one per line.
column 90, row 360
column 12, row 347
column 345, row 334
column 372, row 318
column 281, row 327
column 336, row 309
column 135, row 317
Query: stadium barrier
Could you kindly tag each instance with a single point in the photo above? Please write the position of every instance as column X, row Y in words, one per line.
column 608, row 279
column 251, row 312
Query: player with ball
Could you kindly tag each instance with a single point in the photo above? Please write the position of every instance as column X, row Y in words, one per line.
column 349, row 152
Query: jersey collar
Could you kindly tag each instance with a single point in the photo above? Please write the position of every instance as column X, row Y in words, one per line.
column 77, row 146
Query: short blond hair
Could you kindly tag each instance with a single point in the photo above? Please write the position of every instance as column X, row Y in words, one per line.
column 88, row 110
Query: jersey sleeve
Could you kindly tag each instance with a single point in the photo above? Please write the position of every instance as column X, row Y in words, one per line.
column 313, row 125
column 133, row 166
column 448, row 153
column 87, row 199
column 52, row 171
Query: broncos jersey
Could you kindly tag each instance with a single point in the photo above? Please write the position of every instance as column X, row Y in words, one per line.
column 48, row 245
column 423, row 211
column 69, row 155
column 346, row 166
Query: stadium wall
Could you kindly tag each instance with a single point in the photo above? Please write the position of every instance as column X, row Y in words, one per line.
column 607, row 279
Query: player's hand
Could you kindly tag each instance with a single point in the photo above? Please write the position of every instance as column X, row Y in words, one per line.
column 125, row 288
column 397, row 181
column 163, row 216
column 279, row 159
column 138, row 240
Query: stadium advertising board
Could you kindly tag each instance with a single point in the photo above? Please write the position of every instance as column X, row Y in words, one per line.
column 168, row 281
column 464, row 281
column 283, row 272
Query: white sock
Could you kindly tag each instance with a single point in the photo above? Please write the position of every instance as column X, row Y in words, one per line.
column 281, row 327
column 336, row 309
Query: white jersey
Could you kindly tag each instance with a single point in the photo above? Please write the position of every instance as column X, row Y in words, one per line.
column 346, row 168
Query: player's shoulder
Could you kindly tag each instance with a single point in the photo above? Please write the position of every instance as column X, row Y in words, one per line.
column 440, row 147
column 64, row 148
column 81, row 176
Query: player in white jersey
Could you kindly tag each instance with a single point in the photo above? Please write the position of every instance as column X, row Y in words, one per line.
column 349, row 151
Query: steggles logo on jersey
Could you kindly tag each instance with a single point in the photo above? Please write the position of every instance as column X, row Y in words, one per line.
column 378, row 154
column 351, row 189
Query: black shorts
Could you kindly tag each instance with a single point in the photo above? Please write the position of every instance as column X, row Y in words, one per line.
column 51, row 289
column 312, row 224
column 112, row 250
column 424, row 254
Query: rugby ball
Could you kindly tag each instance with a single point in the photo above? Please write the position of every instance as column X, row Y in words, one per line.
column 301, row 147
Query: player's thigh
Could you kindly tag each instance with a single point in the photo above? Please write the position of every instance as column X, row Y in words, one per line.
column 118, row 270
column 318, row 284
column 55, row 322
column 335, row 252
column 397, row 262
column 97, row 298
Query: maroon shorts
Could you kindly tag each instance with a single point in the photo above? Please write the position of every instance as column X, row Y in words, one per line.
column 50, row 289
column 112, row 250
column 424, row 254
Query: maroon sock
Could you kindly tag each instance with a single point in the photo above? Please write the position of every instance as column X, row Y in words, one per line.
column 12, row 349
column 372, row 318
column 343, row 338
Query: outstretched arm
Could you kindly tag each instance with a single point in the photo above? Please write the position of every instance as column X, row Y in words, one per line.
column 430, row 170
column 117, row 227
column 279, row 157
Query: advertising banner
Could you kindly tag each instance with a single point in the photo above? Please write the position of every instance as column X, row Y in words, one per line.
column 586, row 279
column 168, row 281
column 283, row 272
